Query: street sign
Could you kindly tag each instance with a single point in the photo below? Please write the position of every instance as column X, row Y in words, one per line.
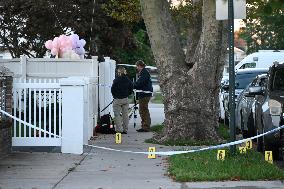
column 222, row 9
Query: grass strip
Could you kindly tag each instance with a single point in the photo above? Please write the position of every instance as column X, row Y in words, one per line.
column 204, row 166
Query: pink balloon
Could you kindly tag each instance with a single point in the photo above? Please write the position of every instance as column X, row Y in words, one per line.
column 54, row 51
column 48, row 44
column 55, row 42
column 61, row 37
column 63, row 43
column 68, row 43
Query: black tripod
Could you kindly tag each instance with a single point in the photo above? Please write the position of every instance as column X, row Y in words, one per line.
column 133, row 109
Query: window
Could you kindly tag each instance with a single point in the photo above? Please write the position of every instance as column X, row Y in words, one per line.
column 248, row 65
column 242, row 80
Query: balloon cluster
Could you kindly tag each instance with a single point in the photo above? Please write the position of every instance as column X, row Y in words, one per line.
column 67, row 46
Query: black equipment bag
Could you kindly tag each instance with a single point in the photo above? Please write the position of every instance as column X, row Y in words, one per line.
column 105, row 125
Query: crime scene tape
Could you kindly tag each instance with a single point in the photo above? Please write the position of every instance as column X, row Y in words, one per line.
column 166, row 153
column 169, row 153
column 28, row 124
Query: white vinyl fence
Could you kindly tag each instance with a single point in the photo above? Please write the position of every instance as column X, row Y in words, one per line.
column 59, row 97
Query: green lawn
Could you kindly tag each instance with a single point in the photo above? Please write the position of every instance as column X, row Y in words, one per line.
column 157, row 98
column 203, row 166
column 224, row 131
column 157, row 128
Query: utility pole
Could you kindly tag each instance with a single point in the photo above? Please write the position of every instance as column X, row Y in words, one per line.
column 231, row 75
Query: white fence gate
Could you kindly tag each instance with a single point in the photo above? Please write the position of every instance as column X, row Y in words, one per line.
column 38, row 102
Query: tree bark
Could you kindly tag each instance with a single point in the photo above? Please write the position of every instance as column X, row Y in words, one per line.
column 194, row 31
column 191, row 93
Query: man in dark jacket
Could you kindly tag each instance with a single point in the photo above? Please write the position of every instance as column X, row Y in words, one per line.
column 121, row 88
column 144, row 83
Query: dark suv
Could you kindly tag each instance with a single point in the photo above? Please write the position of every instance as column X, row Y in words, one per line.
column 269, row 110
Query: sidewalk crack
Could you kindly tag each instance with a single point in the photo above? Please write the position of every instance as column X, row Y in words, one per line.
column 70, row 170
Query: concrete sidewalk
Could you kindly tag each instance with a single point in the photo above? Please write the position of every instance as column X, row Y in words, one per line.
column 101, row 169
column 35, row 170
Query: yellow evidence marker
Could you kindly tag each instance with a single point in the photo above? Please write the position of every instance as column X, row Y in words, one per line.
column 268, row 156
column 221, row 155
column 249, row 144
column 118, row 138
column 242, row 150
column 151, row 150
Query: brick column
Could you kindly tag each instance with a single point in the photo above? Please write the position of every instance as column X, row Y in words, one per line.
column 6, row 105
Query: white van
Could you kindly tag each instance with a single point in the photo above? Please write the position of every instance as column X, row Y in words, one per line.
column 261, row 59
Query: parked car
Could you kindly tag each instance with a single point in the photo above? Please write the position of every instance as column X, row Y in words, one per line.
column 245, row 107
column 243, row 78
column 269, row 110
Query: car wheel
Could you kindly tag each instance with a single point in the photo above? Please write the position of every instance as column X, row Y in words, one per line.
column 269, row 147
column 274, row 149
column 281, row 149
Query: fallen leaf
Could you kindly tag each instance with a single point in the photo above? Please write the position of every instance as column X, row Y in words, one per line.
column 235, row 178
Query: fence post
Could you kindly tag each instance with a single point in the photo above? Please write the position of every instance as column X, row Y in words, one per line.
column 24, row 67
column 95, row 63
column 72, row 114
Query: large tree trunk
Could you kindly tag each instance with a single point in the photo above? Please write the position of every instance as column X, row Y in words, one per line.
column 191, row 92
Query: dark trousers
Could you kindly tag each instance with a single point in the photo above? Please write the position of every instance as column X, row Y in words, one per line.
column 144, row 113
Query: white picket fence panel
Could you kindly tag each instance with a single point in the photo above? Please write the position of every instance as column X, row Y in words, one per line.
column 38, row 102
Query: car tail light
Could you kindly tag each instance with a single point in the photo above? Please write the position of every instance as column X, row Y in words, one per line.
column 275, row 107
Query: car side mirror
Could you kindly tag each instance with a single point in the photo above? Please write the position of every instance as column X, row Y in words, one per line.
column 255, row 91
